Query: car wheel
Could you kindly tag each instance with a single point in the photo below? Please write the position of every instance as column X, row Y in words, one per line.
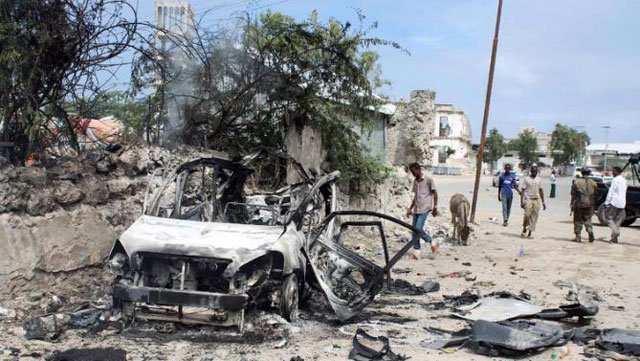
column 290, row 297
column 629, row 221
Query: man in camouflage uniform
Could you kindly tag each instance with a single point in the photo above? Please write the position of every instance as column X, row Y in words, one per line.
column 583, row 200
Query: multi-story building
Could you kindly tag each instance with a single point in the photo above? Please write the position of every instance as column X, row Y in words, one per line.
column 175, row 27
column 174, row 18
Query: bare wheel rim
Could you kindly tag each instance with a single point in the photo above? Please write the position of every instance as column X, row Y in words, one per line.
column 291, row 297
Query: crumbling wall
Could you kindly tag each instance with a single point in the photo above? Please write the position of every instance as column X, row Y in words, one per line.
column 304, row 143
column 407, row 139
column 67, row 215
column 411, row 129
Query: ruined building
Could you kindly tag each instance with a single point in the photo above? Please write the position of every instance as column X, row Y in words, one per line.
column 409, row 131
column 413, row 130
column 452, row 139
column 432, row 134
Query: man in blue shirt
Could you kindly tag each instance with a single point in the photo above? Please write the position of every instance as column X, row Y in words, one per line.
column 506, row 184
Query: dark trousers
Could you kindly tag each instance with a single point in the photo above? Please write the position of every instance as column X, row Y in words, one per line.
column 582, row 216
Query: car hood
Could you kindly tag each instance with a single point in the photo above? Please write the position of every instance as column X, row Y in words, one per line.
column 239, row 243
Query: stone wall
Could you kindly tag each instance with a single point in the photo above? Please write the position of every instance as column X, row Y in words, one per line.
column 304, row 143
column 67, row 215
column 411, row 129
column 407, row 139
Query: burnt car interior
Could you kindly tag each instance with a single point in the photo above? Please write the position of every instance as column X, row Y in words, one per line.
column 252, row 191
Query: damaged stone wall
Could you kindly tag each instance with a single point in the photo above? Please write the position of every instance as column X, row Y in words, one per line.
column 304, row 143
column 407, row 137
column 66, row 216
column 411, row 129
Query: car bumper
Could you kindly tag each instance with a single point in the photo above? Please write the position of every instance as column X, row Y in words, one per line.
column 171, row 297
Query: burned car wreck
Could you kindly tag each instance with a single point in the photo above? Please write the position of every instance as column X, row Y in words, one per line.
column 219, row 237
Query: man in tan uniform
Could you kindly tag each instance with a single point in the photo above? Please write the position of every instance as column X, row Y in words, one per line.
column 583, row 200
column 531, row 197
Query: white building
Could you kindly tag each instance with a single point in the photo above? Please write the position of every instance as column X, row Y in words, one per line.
column 175, row 24
column 173, row 18
column 452, row 130
column 596, row 152
column 545, row 155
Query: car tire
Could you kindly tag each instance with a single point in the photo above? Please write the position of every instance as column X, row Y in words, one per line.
column 290, row 298
column 600, row 214
column 629, row 221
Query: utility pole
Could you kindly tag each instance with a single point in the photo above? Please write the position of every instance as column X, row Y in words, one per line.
column 606, row 144
column 485, row 118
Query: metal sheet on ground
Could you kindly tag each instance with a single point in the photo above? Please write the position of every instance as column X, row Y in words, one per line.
column 496, row 309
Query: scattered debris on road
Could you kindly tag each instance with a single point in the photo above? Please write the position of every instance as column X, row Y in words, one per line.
column 371, row 348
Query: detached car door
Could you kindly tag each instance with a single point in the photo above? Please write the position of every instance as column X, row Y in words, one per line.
column 351, row 257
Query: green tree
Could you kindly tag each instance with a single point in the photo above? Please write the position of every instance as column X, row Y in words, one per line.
column 527, row 146
column 275, row 72
column 448, row 151
column 567, row 144
column 494, row 147
column 54, row 51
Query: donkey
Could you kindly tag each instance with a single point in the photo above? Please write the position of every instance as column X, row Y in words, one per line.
column 459, row 207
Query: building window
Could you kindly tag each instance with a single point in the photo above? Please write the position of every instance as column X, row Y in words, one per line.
column 445, row 129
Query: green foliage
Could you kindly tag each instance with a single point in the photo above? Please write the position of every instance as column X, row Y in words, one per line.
column 53, row 51
column 448, row 151
column 120, row 105
column 345, row 152
column 276, row 73
column 527, row 146
column 36, row 44
column 494, row 147
column 567, row 144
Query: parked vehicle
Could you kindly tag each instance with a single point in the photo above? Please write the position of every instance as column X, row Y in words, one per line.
column 578, row 173
column 216, row 240
column 602, row 179
column 632, row 209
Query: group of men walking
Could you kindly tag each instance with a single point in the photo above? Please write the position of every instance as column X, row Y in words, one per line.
column 582, row 204
column 531, row 191
column 583, row 201
column 531, row 197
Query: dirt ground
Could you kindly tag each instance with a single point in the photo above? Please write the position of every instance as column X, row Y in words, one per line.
column 495, row 265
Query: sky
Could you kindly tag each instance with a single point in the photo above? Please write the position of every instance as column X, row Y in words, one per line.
column 575, row 62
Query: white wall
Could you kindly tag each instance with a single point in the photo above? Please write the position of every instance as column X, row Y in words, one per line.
column 459, row 136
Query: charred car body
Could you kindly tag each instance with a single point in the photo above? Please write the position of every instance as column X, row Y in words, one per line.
column 207, row 248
